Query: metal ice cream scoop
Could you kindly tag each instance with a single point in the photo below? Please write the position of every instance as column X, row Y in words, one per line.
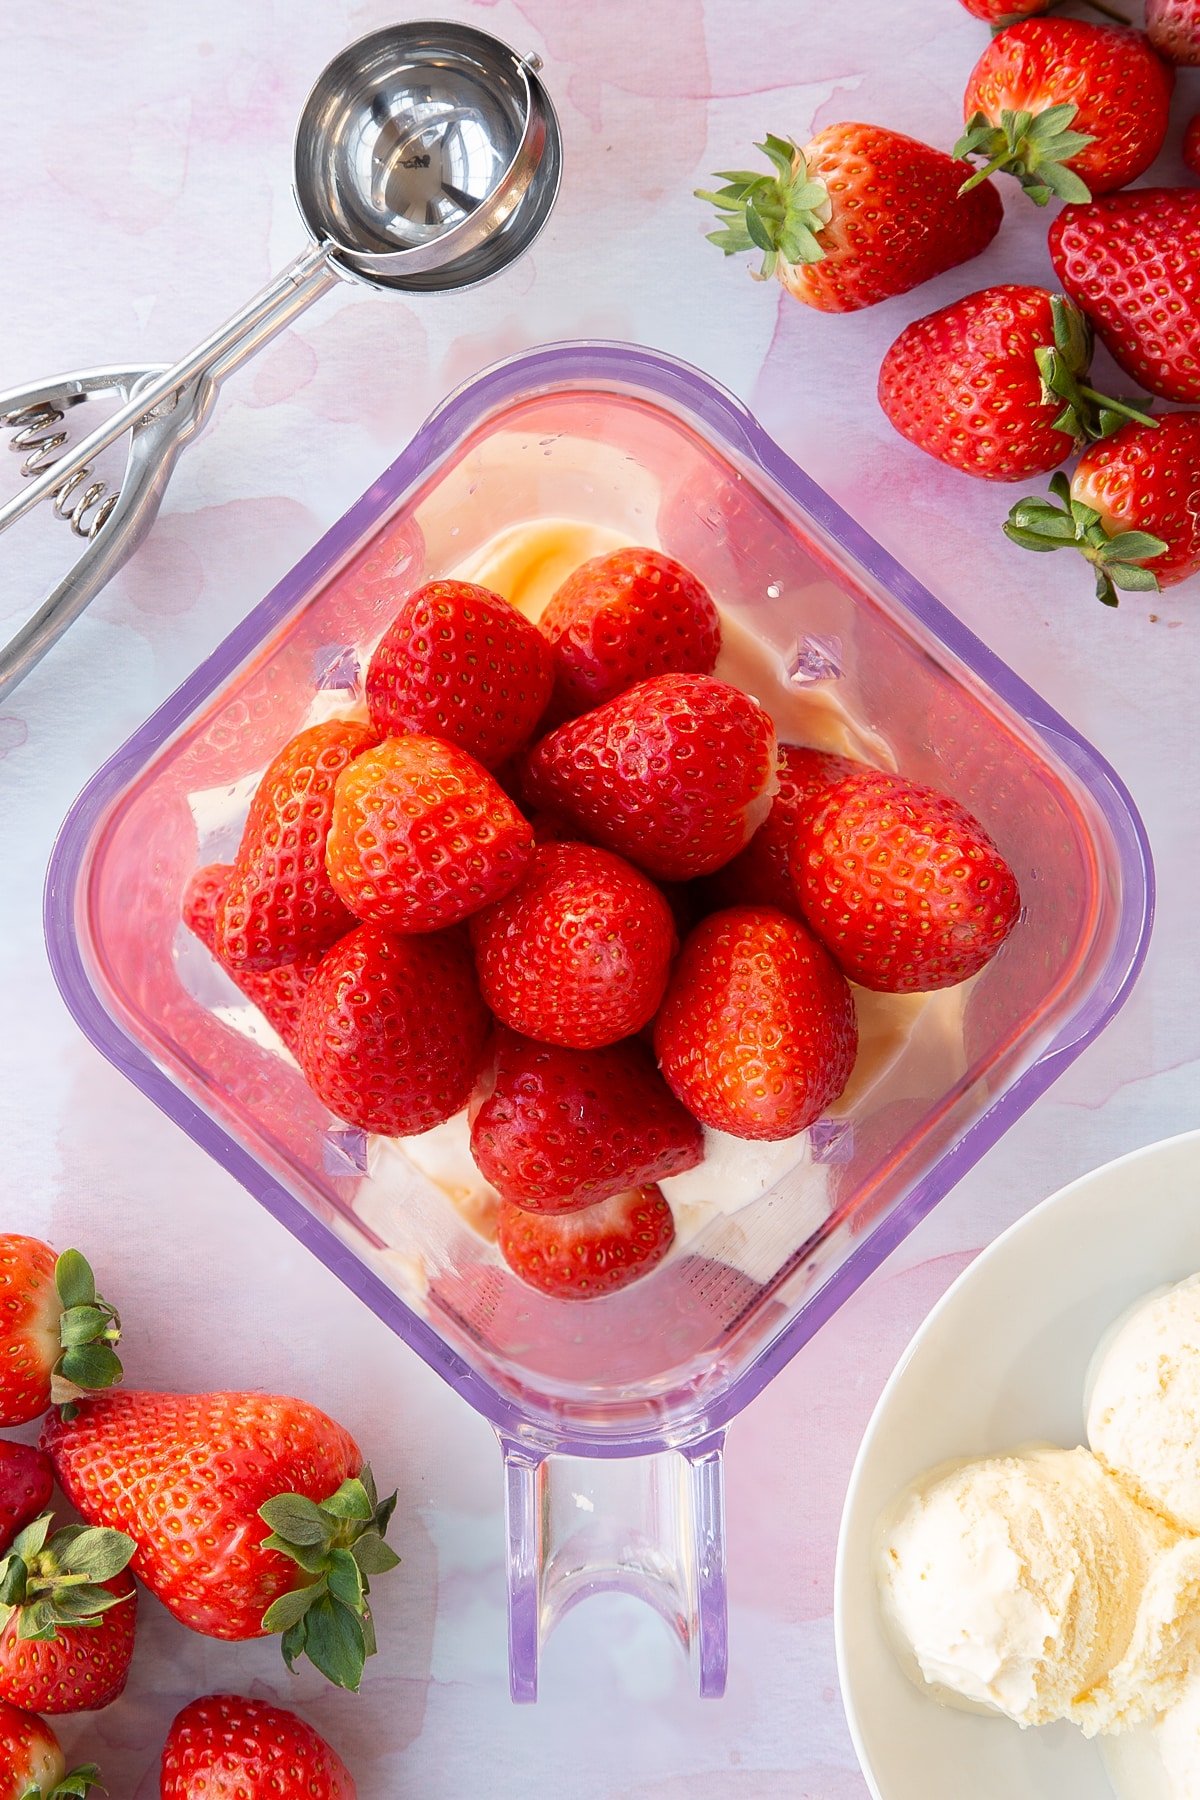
column 427, row 158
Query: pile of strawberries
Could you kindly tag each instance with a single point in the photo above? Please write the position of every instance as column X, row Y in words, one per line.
column 246, row 1515
column 564, row 876
column 996, row 384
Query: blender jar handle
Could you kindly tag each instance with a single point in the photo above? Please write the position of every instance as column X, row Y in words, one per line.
column 652, row 1526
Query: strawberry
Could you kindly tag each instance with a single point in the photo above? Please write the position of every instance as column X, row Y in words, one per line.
column 458, row 662
column 1173, row 27
column 1191, row 145
column 554, row 1129
column 676, row 773
column 578, row 954
column 279, row 903
column 56, row 1336
column 760, row 875
column 193, row 1477
column 26, row 1484
column 1005, row 12
column 903, row 885
column 422, row 836
column 1069, row 108
column 622, row 618
column 32, row 1765
column 393, row 1029
column 68, row 1615
column 277, row 993
column 857, row 216
column 223, row 1747
column 586, row 1254
column 1132, row 263
column 995, row 384
column 757, row 1034
column 1131, row 502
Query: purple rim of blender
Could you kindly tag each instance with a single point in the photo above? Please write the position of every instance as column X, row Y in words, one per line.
column 732, row 427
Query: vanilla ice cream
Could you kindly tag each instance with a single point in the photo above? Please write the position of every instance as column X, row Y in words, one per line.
column 1160, row 1761
column 1034, row 1586
column 1144, row 1409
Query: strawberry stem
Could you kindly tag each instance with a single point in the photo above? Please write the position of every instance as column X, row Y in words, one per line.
column 1087, row 413
column 338, row 1545
column 780, row 214
column 89, row 1331
column 59, row 1581
column 1118, row 561
column 1036, row 148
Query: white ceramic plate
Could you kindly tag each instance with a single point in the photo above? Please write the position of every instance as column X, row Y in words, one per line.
column 1000, row 1361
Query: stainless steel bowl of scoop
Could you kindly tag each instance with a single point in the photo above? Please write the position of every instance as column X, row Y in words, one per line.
column 428, row 158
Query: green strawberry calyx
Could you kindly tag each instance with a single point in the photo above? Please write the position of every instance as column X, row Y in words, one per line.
column 89, row 1331
column 338, row 1545
column 52, row 1582
column 75, row 1786
column 1038, row 524
column 1035, row 147
column 1086, row 414
column 781, row 214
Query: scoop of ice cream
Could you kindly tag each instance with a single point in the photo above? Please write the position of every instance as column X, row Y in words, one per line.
column 1144, row 1411
column 1017, row 1584
column 1160, row 1761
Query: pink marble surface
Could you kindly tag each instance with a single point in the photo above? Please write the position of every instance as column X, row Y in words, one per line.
column 144, row 188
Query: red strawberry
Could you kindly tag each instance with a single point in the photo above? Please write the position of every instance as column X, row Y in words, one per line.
column 1130, row 508
column 995, row 384
column 192, row 1478
column 1005, row 12
column 622, row 618
column 857, row 216
column 458, row 662
column 676, row 773
column 279, row 904
column 26, row 1484
column 760, row 875
column 586, row 1254
column 902, row 885
column 1191, row 145
column 277, row 993
column 1173, row 27
column 223, row 1747
column 757, row 1034
column 422, row 836
column 578, row 954
column 1069, row 108
column 32, row 1765
column 67, row 1619
column 393, row 1029
column 554, row 1129
column 1132, row 263
column 56, row 1336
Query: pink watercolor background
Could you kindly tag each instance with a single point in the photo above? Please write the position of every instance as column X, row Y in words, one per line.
column 144, row 183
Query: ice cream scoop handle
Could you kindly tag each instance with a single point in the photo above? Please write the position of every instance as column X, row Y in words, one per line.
column 652, row 1526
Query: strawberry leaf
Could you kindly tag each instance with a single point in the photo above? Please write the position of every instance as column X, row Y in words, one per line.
column 1118, row 560
column 781, row 215
column 89, row 1330
column 1033, row 147
column 346, row 1580
column 96, row 1551
column 350, row 1502
column 77, row 1785
column 296, row 1520
column 339, row 1545
column 335, row 1643
column 290, row 1608
column 74, row 1280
